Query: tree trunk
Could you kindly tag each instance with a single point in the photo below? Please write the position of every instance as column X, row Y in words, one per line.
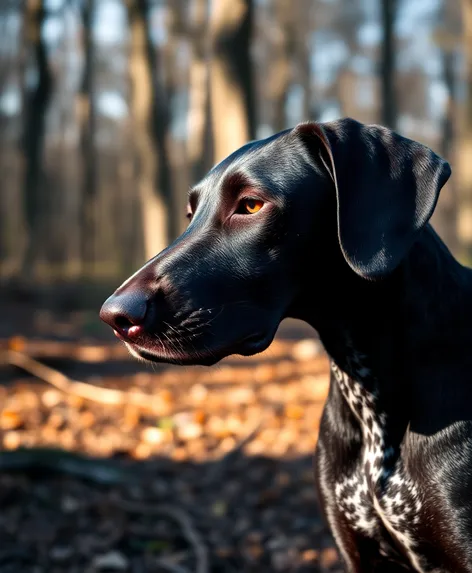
column 388, row 104
column 178, row 58
column 12, row 224
column 445, row 216
column 303, row 30
column 153, row 207
column 36, row 104
column 199, row 149
column 232, row 102
column 156, row 14
column 111, row 206
column 464, row 164
column 89, row 151
column 61, row 206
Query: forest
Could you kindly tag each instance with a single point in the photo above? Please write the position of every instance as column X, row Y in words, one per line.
column 110, row 110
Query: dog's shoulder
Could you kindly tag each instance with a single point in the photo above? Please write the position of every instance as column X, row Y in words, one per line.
column 442, row 465
column 445, row 457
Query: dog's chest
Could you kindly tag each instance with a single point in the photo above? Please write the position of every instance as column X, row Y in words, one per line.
column 379, row 493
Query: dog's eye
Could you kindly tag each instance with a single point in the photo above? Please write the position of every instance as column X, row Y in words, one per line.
column 249, row 206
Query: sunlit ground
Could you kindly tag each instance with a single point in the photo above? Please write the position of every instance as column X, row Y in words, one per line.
column 194, row 469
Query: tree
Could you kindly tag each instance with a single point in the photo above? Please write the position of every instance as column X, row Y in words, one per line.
column 153, row 204
column 12, row 224
column 387, row 71
column 232, row 98
column 200, row 144
column 36, row 103
column 464, row 165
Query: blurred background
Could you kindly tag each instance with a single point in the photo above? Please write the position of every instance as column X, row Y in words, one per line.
column 109, row 111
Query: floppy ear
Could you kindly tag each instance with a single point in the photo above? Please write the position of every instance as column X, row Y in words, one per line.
column 387, row 187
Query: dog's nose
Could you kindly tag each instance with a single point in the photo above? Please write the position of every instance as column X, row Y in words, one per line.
column 125, row 313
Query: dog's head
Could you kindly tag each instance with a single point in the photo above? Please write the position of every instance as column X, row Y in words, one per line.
column 262, row 222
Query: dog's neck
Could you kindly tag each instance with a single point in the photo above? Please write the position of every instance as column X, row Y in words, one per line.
column 394, row 334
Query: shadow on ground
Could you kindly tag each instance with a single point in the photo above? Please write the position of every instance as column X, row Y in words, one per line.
column 247, row 515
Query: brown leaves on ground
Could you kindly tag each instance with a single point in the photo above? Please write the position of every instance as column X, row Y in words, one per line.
column 230, row 446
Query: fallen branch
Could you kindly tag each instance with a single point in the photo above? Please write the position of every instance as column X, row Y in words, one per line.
column 61, row 349
column 102, row 472
column 188, row 529
column 83, row 390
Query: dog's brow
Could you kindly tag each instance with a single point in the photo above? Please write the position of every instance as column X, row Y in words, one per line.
column 193, row 195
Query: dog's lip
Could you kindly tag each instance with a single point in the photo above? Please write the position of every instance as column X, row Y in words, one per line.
column 255, row 343
column 247, row 346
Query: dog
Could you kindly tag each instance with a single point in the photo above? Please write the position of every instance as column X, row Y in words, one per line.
column 330, row 223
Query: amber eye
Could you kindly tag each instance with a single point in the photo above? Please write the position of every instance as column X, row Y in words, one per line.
column 249, row 206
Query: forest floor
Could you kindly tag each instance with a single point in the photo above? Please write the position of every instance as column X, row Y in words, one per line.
column 188, row 470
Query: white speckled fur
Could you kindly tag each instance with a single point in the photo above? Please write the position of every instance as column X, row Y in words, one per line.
column 358, row 495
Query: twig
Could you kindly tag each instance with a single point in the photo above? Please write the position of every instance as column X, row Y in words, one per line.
column 84, row 390
column 188, row 529
column 87, row 353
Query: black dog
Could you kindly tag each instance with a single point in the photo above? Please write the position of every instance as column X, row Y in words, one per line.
column 329, row 223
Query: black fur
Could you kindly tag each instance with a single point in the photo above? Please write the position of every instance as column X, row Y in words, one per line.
column 343, row 242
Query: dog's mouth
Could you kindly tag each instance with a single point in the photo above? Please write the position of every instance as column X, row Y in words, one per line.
column 183, row 352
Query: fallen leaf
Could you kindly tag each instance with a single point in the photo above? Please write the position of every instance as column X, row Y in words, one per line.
column 166, row 396
column 199, row 416
column 11, row 440
column 310, row 555
column 198, row 393
column 179, row 454
column 51, row 398
column 87, row 419
column 329, row 557
column 17, row 343
column 10, row 420
column 294, row 411
column 306, row 349
column 142, row 451
column 152, row 435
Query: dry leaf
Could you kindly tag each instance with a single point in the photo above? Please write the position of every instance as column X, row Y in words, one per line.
column 294, row 411
column 190, row 431
column 199, row 417
column 153, row 435
column 329, row 557
column 11, row 440
column 166, row 396
column 306, row 349
column 17, row 343
column 10, row 420
column 310, row 555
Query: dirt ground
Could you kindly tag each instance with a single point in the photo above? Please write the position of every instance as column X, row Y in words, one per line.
column 193, row 470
